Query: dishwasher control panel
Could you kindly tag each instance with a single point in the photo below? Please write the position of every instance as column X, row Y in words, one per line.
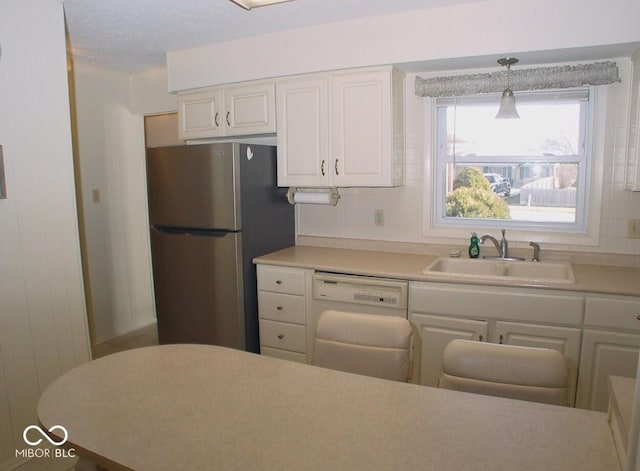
column 360, row 290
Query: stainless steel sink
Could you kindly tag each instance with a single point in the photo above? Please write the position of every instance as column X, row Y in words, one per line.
column 495, row 269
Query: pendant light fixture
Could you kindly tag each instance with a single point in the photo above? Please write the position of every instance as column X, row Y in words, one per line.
column 249, row 4
column 508, row 101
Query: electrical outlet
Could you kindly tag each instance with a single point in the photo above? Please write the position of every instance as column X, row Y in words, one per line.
column 378, row 217
column 95, row 196
column 633, row 231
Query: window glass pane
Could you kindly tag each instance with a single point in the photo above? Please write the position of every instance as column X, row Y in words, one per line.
column 528, row 172
column 541, row 130
column 523, row 191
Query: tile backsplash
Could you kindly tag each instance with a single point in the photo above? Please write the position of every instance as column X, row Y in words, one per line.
column 353, row 219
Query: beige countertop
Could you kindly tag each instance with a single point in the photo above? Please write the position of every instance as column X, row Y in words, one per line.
column 407, row 266
column 203, row 407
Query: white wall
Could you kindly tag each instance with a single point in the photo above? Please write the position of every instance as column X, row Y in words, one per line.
column 149, row 94
column 490, row 28
column 42, row 313
column 111, row 156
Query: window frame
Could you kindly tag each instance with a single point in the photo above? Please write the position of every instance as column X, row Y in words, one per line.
column 585, row 231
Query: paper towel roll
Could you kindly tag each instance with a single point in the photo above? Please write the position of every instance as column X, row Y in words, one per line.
column 327, row 196
column 312, row 197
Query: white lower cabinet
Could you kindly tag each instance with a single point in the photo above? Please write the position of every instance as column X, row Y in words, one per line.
column 610, row 346
column 435, row 332
column 443, row 312
column 598, row 334
column 564, row 339
column 283, row 297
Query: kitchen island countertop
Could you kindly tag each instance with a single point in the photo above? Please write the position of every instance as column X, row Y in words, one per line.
column 203, row 407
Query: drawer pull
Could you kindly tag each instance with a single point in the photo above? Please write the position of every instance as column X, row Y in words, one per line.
column 278, row 282
column 638, row 317
column 279, row 308
column 480, row 338
column 280, row 336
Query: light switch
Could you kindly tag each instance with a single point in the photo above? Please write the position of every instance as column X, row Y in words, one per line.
column 378, row 217
column 633, row 231
column 95, row 195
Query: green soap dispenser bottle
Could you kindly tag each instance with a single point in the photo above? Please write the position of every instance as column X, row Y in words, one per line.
column 474, row 248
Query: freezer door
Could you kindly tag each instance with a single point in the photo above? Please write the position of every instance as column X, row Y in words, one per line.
column 198, row 288
column 194, row 186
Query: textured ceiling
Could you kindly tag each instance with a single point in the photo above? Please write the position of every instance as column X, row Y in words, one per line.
column 134, row 35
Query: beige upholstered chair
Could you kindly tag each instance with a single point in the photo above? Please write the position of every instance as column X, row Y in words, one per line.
column 366, row 344
column 531, row 374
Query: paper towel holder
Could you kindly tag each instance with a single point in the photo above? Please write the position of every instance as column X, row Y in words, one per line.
column 324, row 196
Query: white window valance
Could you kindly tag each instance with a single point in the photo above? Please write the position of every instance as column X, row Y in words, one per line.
column 540, row 78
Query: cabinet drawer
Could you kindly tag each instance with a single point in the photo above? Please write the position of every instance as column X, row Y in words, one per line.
column 283, row 354
column 282, row 307
column 282, row 335
column 613, row 313
column 281, row 280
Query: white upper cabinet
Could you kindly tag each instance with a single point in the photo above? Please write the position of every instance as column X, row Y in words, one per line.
column 199, row 114
column 341, row 129
column 227, row 111
column 303, row 133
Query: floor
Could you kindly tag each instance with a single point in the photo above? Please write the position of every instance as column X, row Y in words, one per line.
column 144, row 337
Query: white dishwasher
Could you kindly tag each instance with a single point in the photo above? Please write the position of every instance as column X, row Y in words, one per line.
column 355, row 293
column 360, row 294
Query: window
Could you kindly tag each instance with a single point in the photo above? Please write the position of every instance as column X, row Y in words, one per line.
column 530, row 174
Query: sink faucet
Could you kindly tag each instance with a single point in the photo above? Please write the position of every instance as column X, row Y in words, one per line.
column 536, row 252
column 502, row 247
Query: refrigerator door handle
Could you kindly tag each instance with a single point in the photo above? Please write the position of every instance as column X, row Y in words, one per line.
column 192, row 231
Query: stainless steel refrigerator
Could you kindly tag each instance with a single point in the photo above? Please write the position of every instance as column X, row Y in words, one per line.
column 212, row 209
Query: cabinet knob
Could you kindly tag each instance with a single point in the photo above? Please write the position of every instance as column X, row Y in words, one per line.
column 280, row 336
column 278, row 282
column 279, row 308
column 638, row 317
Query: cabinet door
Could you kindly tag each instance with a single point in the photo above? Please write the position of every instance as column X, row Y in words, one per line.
column 434, row 333
column 361, row 129
column 250, row 109
column 303, row 139
column 199, row 114
column 604, row 354
column 564, row 339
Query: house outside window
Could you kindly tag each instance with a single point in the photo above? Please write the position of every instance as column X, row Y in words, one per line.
column 528, row 174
